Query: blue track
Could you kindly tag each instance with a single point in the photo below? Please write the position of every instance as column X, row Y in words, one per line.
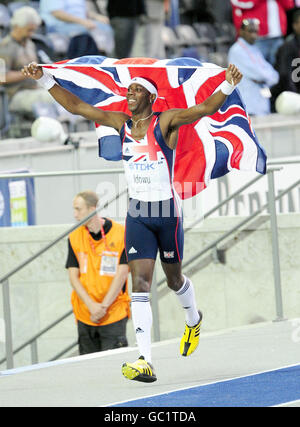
column 259, row 390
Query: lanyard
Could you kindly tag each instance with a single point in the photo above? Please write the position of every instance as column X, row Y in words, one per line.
column 91, row 240
column 104, row 237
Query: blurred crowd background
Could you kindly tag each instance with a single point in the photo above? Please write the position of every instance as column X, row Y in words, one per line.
column 261, row 37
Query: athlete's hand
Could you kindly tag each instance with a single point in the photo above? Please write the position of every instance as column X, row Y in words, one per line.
column 33, row 70
column 233, row 75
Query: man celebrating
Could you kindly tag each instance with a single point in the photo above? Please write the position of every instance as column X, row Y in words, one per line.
column 154, row 219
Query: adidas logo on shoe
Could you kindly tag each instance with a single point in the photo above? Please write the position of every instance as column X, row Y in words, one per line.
column 132, row 250
column 139, row 330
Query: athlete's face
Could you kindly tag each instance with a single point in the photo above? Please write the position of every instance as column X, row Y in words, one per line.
column 138, row 98
column 80, row 209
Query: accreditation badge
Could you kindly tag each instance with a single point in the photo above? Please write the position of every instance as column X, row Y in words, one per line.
column 109, row 263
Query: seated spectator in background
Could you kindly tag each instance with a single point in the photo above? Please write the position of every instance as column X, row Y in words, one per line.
column 98, row 273
column 124, row 19
column 259, row 75
column 73, row 18
column 273, row 22
column 287, row 63
column 17, row 48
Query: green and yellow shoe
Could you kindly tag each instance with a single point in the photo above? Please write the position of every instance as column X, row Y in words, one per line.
column 190, row 339
column 139, row 371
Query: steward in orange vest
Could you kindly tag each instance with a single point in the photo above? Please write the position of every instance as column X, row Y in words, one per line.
column 98, row 273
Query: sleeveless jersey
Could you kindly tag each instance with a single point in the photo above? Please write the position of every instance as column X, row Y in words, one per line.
column 148, row 163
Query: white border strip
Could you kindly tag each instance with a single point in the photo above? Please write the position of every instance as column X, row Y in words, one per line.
column 287, row 404
column 66, row 361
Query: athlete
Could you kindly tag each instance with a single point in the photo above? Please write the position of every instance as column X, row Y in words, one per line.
column 154, row 218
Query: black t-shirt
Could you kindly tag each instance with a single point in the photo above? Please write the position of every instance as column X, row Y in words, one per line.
column 72, row 260
column 129, row 8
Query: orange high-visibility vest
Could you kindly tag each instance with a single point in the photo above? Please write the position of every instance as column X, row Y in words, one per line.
column 90, row 254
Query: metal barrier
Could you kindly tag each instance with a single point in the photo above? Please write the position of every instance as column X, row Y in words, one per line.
column 4, row 280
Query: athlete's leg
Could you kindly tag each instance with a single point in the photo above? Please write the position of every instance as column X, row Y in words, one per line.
column 141, row 249
column 142, row 273
column 171, row 242
column 184, row 289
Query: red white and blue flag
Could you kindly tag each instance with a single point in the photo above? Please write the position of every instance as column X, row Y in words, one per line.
column 207, row 149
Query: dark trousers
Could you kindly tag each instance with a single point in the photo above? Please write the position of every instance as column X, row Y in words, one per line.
column 92, row 339
column 124, row 31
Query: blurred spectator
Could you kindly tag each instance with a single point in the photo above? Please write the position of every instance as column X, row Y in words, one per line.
column 124, row 19
column 287, row 63
column 153, row 29
column 259, row 75
column 98, row 273
column 194, row 11
column 17, row 49
column 220, row 10
column 73, row 18
column 148, row 40
column 273, row 22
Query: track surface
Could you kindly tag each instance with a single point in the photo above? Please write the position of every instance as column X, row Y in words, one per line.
column 257, row 365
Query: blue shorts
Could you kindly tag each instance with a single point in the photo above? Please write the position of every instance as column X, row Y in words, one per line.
column 151, row 226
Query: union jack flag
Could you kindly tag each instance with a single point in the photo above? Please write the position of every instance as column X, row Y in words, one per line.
column 207, row 149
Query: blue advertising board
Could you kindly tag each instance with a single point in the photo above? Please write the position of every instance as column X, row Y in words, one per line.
column 17, row 201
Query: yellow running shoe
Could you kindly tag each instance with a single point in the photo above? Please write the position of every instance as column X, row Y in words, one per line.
column 190, row 339
column 139, row 371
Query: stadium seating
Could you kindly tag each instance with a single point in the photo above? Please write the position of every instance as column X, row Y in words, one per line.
column 190, row 38
column 60, row 44
column 172, row 43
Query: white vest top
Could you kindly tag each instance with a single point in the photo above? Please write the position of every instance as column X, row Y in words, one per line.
column 148, row 164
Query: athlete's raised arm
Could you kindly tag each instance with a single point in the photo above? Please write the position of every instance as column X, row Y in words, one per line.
column 71, row 102
column 177, row 118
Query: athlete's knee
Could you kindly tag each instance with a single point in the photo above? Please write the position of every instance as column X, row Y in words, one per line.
column 141, row 283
